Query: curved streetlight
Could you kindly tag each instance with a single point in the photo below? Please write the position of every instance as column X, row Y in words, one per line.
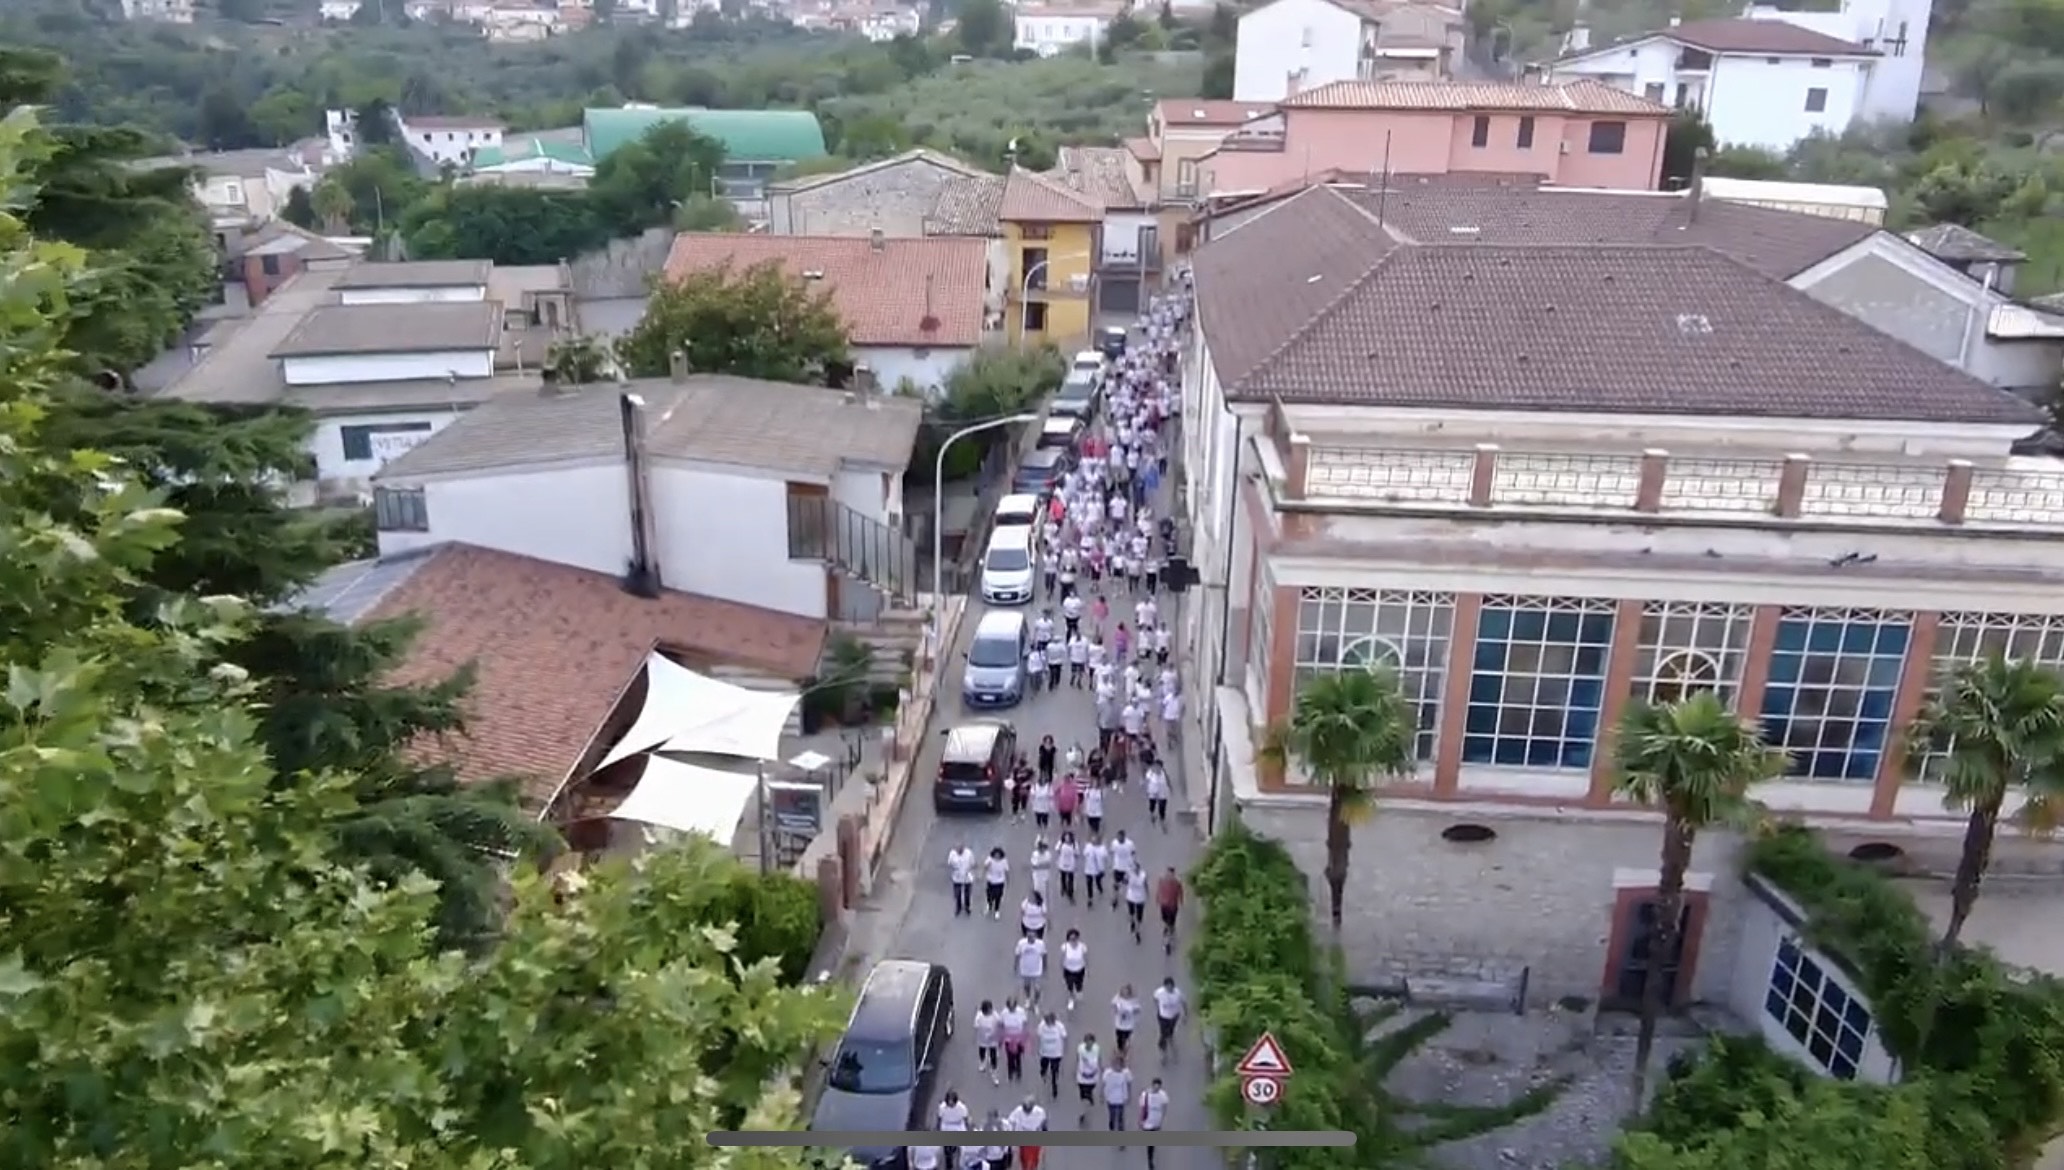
column 939, row 502
column 1025, row 287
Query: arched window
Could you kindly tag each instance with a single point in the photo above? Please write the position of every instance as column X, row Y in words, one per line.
column 1682, row 673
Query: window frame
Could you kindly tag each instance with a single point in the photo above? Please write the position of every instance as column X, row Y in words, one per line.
column 1615, row 142
column 363, row 434
column 1820, row 92
column 1480, row 131
column 1808, row 1003
column 1523, row 138
column 398, row 509
column 1410, row 631
column 1865, row 730
column 1497, row 675
column 1661, row 651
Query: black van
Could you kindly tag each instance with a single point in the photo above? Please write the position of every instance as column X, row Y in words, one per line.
column 881, row 1076
column 975, row 766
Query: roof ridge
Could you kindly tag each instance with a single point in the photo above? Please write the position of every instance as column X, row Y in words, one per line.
column 1056, row 187
column 1325, row 312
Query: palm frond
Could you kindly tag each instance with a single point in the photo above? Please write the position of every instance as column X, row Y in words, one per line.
column 1694, row 759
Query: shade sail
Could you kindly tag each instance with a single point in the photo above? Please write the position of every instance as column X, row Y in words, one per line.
column 704, row 714
column 673, row 795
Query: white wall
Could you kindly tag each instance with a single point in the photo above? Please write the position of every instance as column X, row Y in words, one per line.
column 1283, row 38
column 723, row 532
column 1763, row 930
column 327, row 443
column 412, row 296
column 1050, row 34
column 1122, row 235
column 1894, row 91
column 453, row 146
column 893, row 363
column 327, row 370
column 1750, row 101
column 569, row 515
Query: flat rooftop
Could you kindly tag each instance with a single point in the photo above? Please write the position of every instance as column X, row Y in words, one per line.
column 344, row 330
column 417, row 274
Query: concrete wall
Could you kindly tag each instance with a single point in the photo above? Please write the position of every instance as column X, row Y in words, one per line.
column 894, row 199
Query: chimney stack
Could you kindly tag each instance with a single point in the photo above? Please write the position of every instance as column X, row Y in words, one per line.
column 677, row 366
column 928, row 297
column 877, row 241
column 1698, row 184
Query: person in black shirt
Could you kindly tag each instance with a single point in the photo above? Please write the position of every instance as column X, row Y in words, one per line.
column 1047, row 752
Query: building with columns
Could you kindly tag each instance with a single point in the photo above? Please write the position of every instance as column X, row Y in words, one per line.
column 1541, row 481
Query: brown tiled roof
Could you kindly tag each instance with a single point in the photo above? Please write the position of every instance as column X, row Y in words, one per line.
column 1178, row 112
column 1260, row 283
column 1960, row 245
column 554, row 647
column 966, row 207
column 1104, row 173
column 904, row 292
column 1778, row 37
column 1034, row 198
column 1577, row 97
column 1636, row 330
column 1143, row 149
column 1771, row 240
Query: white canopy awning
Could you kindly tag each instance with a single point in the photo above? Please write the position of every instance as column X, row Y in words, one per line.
column 673, row 795
column 685, row 711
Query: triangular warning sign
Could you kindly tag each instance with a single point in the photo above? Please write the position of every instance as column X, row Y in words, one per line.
column 1265, row 1059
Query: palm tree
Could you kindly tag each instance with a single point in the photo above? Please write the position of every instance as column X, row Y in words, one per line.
column 1694, row 760
column 1347, row 730
column 1997, row 728
column 332, row 205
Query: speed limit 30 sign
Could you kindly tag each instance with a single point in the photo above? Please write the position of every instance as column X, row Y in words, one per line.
column 1263, row 1070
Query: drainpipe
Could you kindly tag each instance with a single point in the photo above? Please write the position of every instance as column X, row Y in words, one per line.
column 1225, row 626
column 1971, row 325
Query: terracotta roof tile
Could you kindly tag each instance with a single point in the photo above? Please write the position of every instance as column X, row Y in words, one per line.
column 1033, row 198
column 1778, row 37
column 1143, row 149
column 1579, row 97
column 904, row 292
column 555, row 646
column 1176, row 113
column 967, row 207
column 1104, row 173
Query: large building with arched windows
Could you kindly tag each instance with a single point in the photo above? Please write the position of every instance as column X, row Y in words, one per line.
column 1540, row 479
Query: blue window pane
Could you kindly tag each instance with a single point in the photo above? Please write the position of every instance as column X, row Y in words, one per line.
column 1788, row 955
column 1774, row 1004
column 1842, row 1068
column 1791, row 636
column 1850, row 1044
column 1856, row 1016
column 1494, row 624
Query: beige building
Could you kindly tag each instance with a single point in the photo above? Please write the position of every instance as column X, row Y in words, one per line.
column 1180, row 133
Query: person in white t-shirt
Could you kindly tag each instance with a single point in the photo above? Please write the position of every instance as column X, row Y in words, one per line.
column 960, row 867
column 1053, row 1046
column 1169, row 1006
column 1093, row 806
column 1032, row 915
column 1124, row 854
column 996, row 869
column 1171, row 716
column 1074, row 965
column 1125, row 1010
column 1067, row 859
column 1157, row 794
column 988, row 1035
column 1136, row 899
column 1096, row 858
column 1153, row 1112
column 1031, row 955
column 926, row 1157
column 1028, row 1118
column 1013, row 1020
column 954, row 1113
column 1042, row 860
column 1117, row 1092
column 1089, row 1069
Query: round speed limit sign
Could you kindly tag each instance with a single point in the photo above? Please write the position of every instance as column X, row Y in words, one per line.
column 1262, row 1090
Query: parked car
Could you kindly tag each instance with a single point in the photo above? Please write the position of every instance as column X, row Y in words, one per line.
column 1112, row 340
column 1077, row 396
column 993, row 674
column 975, row 765
column 1091, row 362
column 1007, row 567
column 881, row 1076
column 1061, row 432
column 1041, row 472
column 1018, row 510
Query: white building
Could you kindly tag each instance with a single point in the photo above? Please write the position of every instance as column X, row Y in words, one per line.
column 779, row 496
column 338, row 11
column 1541, row 499
column 449, row 139
column 1293, row 45
column 1051, row 31
column 165, row 11
column 1765, row 82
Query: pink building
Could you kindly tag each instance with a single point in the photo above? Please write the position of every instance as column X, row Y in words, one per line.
column 1580, row 134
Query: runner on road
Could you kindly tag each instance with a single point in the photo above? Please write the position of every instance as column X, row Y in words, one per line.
column 1169, row 893
column 1169, row 1007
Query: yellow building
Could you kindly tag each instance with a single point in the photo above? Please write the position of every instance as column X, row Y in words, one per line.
column 1050, row 241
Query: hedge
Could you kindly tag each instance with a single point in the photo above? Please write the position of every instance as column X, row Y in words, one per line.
column 1984, row 1080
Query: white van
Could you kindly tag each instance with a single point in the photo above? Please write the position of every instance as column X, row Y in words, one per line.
column 1007, row 567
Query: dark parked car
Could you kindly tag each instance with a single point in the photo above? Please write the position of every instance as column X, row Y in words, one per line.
column 1041, row 472
column 975, row 766
column 1111, row 340
column 881, row 1076
column 1077, row 396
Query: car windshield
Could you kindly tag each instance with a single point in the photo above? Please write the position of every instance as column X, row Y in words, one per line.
column 993, row 653
column 872, row 1066
column 1009, row 560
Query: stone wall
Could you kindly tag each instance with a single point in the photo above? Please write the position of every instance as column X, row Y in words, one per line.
column 1538, row 897
column 894, row 200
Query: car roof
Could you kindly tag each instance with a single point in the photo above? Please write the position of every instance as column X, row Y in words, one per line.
column 1010, row 536
column 1090, row 355
column 1061, row 422
column 1078, row 379
column 972, row 740
column 1018, row 502
column 1043, row 458
column 1002, row 621
column 888, row 1000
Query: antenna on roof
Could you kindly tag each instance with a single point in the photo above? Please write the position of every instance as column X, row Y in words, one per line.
column 1383, row 192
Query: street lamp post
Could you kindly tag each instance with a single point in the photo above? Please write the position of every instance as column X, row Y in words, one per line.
column 1025, row 287
column 939, row 502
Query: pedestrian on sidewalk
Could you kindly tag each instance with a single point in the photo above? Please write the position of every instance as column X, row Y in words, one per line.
column 1035, row 668
column 1153, row 1113
column 1093, row 806
column 1074, row 965
column 988, row 1039
column 1053, row 1045
column 1014, row 1020
column 997, row 1154
column 1066, row 857
column 960, row 867
column 1169, row 893
column 997, row 870
column 1171, row 716
column 1032, row 915
column 1117, row 1093
column 1078, row 660
column 1071, row 614
column 1125, row 1009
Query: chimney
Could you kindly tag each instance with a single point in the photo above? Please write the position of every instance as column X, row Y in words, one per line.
column 876, row 241
column 641, row 577
column 1698, row 184
column 677, row 366
column 928, row 295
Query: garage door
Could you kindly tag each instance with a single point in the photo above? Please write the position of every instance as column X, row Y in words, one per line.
column 1119, row 295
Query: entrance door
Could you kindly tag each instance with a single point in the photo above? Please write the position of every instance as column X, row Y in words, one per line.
column 1638, row 953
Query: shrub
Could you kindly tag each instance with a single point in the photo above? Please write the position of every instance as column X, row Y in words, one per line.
column 778, row 918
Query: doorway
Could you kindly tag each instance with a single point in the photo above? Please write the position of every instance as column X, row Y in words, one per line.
column 1635, row 951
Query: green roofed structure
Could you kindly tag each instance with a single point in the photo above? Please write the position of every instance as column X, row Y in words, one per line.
column 757, row 143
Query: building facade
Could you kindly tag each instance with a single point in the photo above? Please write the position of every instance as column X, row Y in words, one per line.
column 1052, row 31
column 1540, row 483
column 1581, row 134
column 1051, row 243
column 1289, row 46
column 891, row 195
column 1761, row 83
column 449, row 140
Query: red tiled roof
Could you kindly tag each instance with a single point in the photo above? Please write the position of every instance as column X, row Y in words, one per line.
column 1576, row 97
column 1034, row 198
column 555, row 646
column 903, row 292
column 1178, row 112
column 1760, row 36
column 1143, row 149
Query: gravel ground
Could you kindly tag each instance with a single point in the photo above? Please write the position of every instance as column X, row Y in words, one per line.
column 1486, row 1058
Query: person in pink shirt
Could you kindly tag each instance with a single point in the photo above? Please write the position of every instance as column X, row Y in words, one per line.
column 1067, row 794
column 1102, row 611
column 1122, row 643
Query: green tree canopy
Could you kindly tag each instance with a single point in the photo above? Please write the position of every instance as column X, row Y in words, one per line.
column 757, row 323
column 644, row 183
column 508, row 225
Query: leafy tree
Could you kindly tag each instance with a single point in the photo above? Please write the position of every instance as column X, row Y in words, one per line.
column 1348, row 730
column 1998, row 727
column 508, row 225
column 1218, row 76
column 1687, row 135
column 380, row 184
column 375, row 123
column 985, row 28
column 299, row 210
column 578, row 361
column 1747, row 162
column 191, row 982
column 758, row 323
column 1693, row 760
column 643, row 183
column 1962, row 194
column 332, row 204
column 992, row 382
column 707, row 213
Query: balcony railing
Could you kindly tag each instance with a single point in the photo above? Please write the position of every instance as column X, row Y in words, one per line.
column 2022, row 493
